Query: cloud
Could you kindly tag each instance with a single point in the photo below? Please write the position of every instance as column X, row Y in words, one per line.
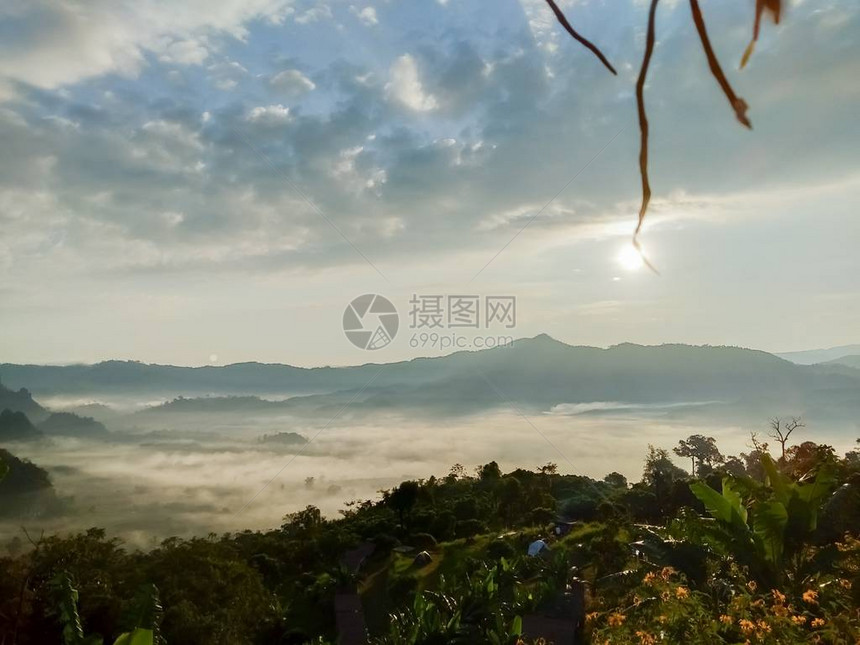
column 405, row 86
column 367, row 15
column 269, row 115
column 292, row 83
column 57, row 44
column 427, row 161
column 185, row 52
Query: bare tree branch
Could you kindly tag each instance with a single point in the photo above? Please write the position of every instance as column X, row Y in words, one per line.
column 737, row 103
column 781, row 431
column 569, row 28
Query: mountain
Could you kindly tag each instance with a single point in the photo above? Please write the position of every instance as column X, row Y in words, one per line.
column 139, row 378
column 15, row 426
column 538, row 374
column 813, row 356
column 848, row 361
column 21, row 401
column 26, row 490
column 72, row 425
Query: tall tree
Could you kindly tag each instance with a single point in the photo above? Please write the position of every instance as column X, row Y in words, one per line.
column 780, row 431
column 699, row 449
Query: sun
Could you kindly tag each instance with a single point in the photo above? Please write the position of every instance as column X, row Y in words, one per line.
column 630, row 259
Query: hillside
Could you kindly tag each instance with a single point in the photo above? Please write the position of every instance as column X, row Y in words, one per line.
column 72, row 425
column 26, row 490
column 21, row 401
column 15, row 426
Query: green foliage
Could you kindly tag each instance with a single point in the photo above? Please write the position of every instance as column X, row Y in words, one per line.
column 66, row 597
column 782, row 517
column 481, row 609
column 689, row 576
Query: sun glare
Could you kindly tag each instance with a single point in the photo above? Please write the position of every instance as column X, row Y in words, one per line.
column 630, row 259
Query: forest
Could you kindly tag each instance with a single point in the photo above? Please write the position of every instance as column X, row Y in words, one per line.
column 762, row 547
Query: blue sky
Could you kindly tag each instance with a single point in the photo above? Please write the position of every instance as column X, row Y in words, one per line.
column 196, row 181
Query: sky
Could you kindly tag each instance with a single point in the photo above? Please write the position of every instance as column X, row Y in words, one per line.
column 195, row 182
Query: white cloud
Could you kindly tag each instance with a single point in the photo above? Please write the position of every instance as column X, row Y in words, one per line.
column 185, row 52
column 269, row 115
column 292, row 82
column 405, row 86
column 367, row 15
column 321, row 12
column 61, row 43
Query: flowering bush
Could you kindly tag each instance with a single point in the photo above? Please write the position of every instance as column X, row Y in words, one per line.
column 663, row 609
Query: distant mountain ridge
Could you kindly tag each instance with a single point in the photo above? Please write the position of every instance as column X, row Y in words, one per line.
column 848, row 361
column 814, row 356
column 535, row 373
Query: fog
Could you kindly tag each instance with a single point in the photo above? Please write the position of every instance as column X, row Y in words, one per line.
column 194, row 474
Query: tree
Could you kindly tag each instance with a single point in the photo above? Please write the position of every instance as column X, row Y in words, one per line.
column 549, row 468
column 303, row 524
column 734, row 466
column 806, row 458
column 780, row 431
column 701, row 449
column 403, row 499
column 616, row 480
column 489, row 472
column 660, row 472
column 457, row 472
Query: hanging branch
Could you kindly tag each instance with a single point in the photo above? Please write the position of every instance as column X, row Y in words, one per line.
column 578, row 37
column 775, row 7
column 643, row 130
column 737, row 103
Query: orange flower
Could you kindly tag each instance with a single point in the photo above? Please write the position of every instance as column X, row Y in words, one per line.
column 763, row 626
column 726, row 619
column 752, row 586
column 666, row 573
column 810, row 596
column 645, row 638
column 798, row 620
column 616, row 619
column 591, row 617
column 778, row 596
column 747, row 626
column 682, row 592
column 817, row 622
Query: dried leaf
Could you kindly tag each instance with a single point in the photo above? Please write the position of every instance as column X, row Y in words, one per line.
column 775, row 8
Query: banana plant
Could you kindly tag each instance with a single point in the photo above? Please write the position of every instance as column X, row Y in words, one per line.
column 766, row 526
column 477, row 612
column 148, row 612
